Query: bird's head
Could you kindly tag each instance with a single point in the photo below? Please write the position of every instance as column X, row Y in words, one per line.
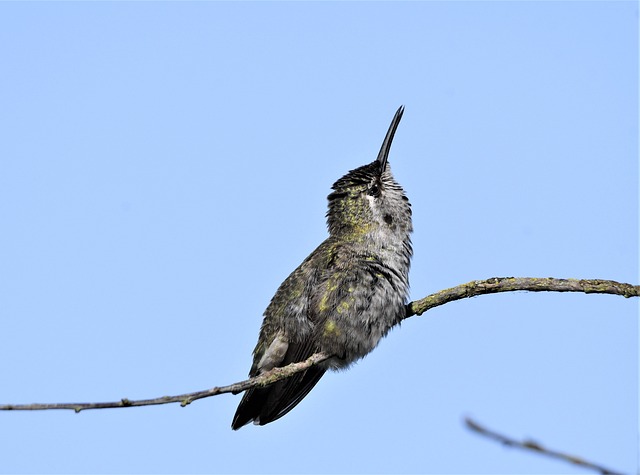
column 368, row 199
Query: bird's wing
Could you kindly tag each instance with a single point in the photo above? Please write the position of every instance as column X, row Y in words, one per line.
column 290, row 319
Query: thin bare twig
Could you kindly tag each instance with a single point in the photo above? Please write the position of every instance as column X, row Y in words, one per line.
column 470, row 289
column 531, row 445
column 270, row 377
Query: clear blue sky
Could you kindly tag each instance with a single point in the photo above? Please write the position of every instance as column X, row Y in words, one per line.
column 164, row 166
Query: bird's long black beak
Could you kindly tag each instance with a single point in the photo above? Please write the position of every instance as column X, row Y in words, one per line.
column 386, row 145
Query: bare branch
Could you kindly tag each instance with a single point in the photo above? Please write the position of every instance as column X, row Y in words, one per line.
column 470, row 289
column 514, row 284
column 531, row 445
column 270, row 377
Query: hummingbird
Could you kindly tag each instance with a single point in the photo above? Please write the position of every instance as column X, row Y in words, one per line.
column 345, row 296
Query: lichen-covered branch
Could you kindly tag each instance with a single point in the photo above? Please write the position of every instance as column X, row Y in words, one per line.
column 514, row 284
column 533, row 446
column 470, row 289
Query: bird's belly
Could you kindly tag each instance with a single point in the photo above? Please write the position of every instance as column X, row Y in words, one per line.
column 352, row 331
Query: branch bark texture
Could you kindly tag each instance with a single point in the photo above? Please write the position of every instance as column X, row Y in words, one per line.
column 514, row 284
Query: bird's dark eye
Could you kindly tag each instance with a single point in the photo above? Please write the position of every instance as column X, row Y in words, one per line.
column 374, row 190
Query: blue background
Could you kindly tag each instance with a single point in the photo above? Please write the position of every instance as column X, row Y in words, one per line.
column 164, row 166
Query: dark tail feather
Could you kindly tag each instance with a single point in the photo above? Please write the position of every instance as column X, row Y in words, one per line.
column 265, row 405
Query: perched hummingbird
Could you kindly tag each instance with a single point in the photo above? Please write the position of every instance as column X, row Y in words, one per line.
column 345, row 296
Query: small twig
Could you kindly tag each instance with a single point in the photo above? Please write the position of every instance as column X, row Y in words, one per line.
column 536, row 447
column 270, row 377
